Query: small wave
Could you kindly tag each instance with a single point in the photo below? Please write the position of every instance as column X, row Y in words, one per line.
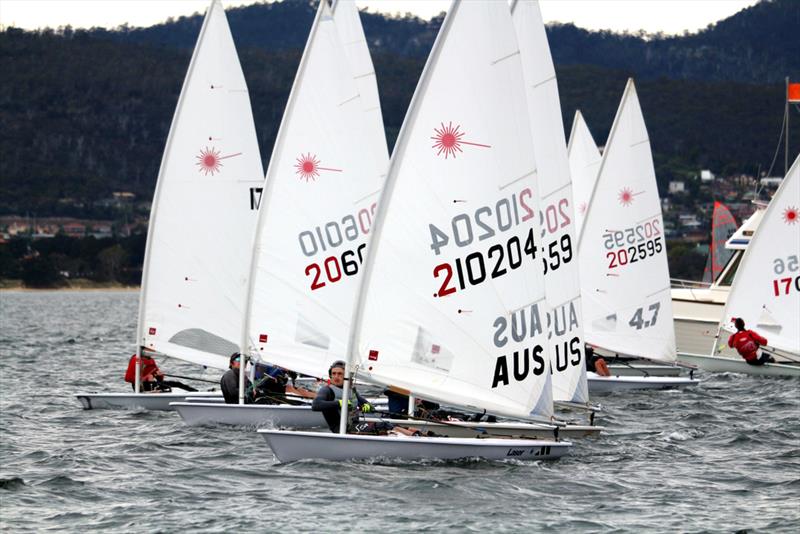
column 682, row 435
column 11, row 484
column 62, row 481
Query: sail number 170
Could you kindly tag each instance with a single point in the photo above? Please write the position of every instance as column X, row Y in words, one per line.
column 783, row 286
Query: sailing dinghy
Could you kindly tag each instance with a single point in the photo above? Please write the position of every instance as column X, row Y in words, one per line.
column 202, row 220
column 766, row 289
column 454, row 255
column 622, row 254
column 584, row 163
column 322, row 185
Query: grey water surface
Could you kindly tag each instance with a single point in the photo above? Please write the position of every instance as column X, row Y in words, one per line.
column 724, row 456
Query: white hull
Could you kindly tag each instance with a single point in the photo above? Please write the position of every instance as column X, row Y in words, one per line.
column 216, row 400
column 256, row 415
column 290, row 446
column 469, row 429
column 130, row 401
column 721, row 364
column 636, row 369
column 613, row 384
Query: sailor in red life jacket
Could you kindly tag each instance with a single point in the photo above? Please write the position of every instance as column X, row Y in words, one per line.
column 151, row 376
column 746, row 343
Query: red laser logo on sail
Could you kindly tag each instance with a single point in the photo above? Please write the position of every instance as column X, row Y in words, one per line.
column 626, row 196
column 210, row 162
column 308, row 168
column 449, row 140
column 582, row 208
column 790, row 215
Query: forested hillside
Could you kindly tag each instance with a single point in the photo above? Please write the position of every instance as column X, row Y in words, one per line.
column 757, row 45
column 85, row 113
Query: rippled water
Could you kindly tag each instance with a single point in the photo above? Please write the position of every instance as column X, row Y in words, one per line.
column 720, row 457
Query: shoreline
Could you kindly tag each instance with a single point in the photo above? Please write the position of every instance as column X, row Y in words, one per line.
column 77, row 285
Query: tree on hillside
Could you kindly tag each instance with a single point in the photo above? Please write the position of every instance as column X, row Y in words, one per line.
column 112, row 261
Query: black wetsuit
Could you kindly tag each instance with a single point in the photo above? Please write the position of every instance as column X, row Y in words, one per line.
column 229, row 384
column 327, row 402
column 270, row 384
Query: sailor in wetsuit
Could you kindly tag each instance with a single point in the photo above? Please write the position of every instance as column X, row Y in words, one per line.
column 329, row 402
column 596, row 364
column 229, row 383
column 329, row 398
column 272, row 384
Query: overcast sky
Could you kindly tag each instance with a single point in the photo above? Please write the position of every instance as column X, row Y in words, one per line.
column 668, row 16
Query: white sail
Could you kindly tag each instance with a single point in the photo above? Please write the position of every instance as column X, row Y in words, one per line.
column 204, row 210
column 556, row 217
column 351, row 35
column 450, row 302
column 584, row 162
column 319, row 201
column 622, row 252
column 766, row 289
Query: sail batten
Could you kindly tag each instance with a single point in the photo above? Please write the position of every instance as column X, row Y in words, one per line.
column 351, row 34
